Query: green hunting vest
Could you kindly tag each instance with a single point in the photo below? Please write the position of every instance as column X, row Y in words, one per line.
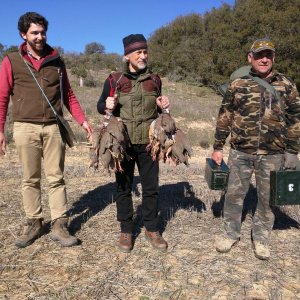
column 137, row 103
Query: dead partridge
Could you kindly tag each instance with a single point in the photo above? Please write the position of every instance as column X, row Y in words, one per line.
column 116, row 128
column 161, row 133
column 113, row 143
column 181, row 150
column 104, row 149
column 94, row 145
column 120, row 141
column 167, row 123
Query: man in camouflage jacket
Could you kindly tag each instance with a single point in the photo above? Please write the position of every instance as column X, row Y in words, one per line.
column 264, row 127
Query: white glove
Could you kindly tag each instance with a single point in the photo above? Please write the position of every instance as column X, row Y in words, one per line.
column 291, row 161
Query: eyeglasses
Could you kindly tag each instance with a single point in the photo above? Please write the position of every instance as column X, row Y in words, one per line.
column 264, row 53
column 262, row 44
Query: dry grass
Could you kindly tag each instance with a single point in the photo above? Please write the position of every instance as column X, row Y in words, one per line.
column 190, row 219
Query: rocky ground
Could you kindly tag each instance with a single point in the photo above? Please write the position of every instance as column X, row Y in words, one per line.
column 190, row 219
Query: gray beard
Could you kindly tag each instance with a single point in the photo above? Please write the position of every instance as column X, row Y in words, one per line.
column 142, row 67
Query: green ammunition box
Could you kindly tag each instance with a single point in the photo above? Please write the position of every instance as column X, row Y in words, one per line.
column 216, row 176
column 285, row 187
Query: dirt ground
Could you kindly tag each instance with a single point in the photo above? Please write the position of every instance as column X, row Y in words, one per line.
column 190, row 219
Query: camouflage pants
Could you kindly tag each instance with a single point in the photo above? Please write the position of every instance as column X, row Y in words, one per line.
column 242, row 166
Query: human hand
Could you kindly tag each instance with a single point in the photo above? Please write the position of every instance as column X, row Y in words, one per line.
column 88, row 128
column 217, row 156
column 163, row 102
column 2, row 143
column 111, row 102
column 291, row 161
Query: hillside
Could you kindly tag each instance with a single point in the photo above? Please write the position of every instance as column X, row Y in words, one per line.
column 190, row 219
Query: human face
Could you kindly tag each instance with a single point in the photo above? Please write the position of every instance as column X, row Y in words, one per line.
column 137, row 60
column 35, row 38
column 262, row 62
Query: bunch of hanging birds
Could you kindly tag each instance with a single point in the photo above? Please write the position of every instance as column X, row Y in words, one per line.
column 110, row 140
column 108, row 144
column 167, row 142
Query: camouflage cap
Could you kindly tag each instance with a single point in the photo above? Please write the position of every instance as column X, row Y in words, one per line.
column 262, row 44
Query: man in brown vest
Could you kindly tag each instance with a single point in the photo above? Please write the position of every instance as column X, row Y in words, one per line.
column 23, row 74
column 135, row 96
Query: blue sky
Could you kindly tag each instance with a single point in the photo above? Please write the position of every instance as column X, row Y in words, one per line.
column 74, row 23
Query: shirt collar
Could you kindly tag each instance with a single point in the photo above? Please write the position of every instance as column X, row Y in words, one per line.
column 32, row 56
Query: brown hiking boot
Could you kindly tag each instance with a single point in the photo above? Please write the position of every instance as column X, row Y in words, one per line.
column 61, row 234
column 156, row 240
column 224, row 244
column 125, row 243
column 33, row 229
column 261, row 250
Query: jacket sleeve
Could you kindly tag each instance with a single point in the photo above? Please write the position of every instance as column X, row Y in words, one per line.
column 6, row 86
column 158, row 84
column 101, row 105
column 71, row 101
column 292, row 115
column 224, row 121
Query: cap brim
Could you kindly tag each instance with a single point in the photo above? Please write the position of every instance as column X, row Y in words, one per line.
column 263, row 48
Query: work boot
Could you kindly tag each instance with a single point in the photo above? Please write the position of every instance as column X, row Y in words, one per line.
column 224, row 244
column 33, row 229
column 261, row 250
column 156, row 240
column 125, row 243
column 61, row 234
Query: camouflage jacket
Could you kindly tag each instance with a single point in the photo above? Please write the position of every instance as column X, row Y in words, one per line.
column 257, row 121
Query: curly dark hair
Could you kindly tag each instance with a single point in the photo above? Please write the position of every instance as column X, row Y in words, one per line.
column 31, row 17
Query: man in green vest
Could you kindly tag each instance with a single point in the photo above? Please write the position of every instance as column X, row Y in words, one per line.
column 37, row 137
column 135, row 96
column 261, row 112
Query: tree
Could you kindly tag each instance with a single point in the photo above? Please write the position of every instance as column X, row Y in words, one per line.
column 93, row 48
column 81, row 72
column 11, row 49
column 206, row 49
column 5, row 50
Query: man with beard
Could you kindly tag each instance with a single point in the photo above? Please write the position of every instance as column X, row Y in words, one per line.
column 35, row 132
column 261, row 111
column 135, row 96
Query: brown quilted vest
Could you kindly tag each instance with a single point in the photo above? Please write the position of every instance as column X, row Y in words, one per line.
column 28, row 102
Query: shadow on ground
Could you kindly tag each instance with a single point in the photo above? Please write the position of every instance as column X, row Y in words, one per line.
column 172, row 197
column 90, row 204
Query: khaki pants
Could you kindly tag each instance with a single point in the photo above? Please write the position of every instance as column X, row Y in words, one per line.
column 35, row 142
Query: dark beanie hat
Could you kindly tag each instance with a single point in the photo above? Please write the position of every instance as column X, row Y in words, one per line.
column 134, row 42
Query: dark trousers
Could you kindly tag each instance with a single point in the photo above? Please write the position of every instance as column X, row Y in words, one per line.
column 148, row 170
